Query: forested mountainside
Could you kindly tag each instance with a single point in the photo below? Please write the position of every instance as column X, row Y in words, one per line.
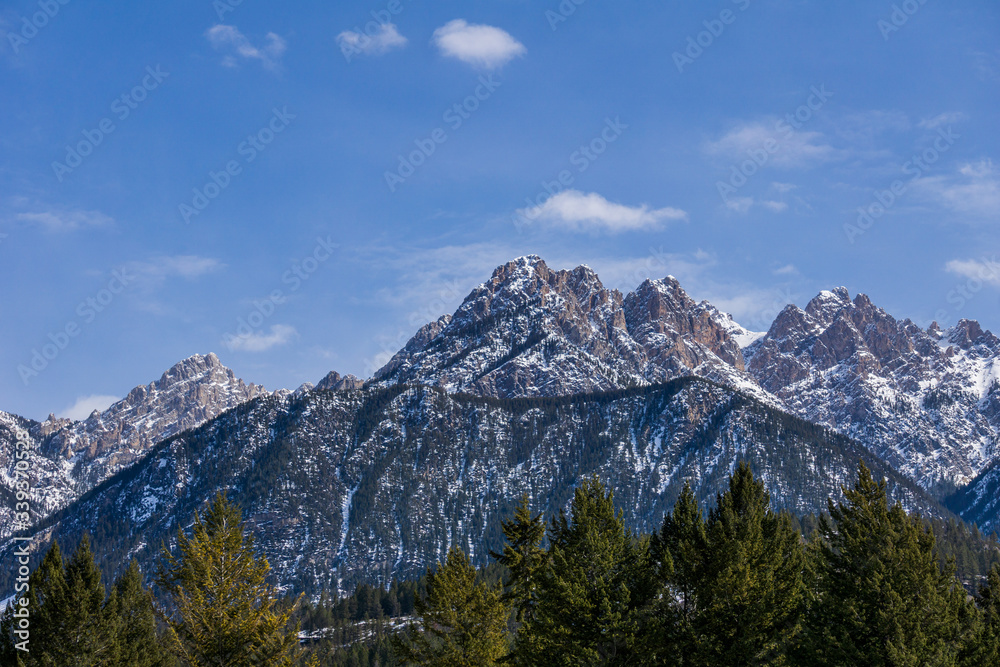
column 353, row 487
column 72, row 457
column 538, row 380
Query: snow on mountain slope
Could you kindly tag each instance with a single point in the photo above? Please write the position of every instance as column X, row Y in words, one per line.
column 356, row 486
column 532, row 331
column 920, row 399
column 73, row 457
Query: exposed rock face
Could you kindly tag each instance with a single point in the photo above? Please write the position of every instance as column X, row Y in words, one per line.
column 531, row 331
column 396, row 471
column 335, row 382
column 347, row 487
column 920, row 399
column 73, row 457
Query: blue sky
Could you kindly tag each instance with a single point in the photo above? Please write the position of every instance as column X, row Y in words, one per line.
column 169, row 169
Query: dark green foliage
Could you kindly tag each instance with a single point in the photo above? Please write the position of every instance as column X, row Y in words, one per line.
column 732, row 587
column 597, row 580
column 133, row 622
column 973, row 553
column 678, row 552
column 525, row 560
column 73, row 624
column 750, row 591
column 984, row 646
column 882, row 597
column 463, row 620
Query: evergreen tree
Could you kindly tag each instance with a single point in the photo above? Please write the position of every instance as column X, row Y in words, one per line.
column 72, row 624
column 87, row 637
column 47, row 599
column 132, row 620
column 463, row 620
column 983, row 646
column 225, row 613
column 750, row 590
column 678, row 552
column 882, row 597
column 65, row 599
column 597, row 581
column 524, row 558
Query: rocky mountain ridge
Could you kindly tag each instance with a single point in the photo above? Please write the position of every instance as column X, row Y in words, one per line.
column 924, row 405
column 74, row 456
column 532, row 331
column 925, row 400
column 364, row 485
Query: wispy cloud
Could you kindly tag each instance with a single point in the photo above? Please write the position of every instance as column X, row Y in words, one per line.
column 860, row 129
column 258, row 341
column 577, row 211
column 794, row 148
column 188, row 267
column 85, row 405
column 478, row 45
column 973, row 190
column 987, row 270
column 744, row 204
column 946, row 118
column 775, row 206
column 65, row 220
column 987, row 64
column 385, row 38
column 236, row 46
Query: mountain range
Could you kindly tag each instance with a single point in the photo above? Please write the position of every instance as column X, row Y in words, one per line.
column 539, row 379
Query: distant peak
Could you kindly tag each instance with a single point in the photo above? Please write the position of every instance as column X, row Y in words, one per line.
column 828, row 303
column 967, row 333
column 838, row 294
column 334, row 381
column 194, row 365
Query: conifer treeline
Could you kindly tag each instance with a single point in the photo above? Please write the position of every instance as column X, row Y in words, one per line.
column 221, row 611
column 738, row 586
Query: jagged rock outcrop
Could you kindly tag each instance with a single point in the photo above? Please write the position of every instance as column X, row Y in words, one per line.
column 532, row 331
column 918, row 398
column 335, row 382
column 347, row 487
column 73, row 457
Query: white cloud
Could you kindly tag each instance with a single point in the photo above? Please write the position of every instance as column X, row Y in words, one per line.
column 987, row 64
column 386, row 38
column 946, row 118
column 227, row 39
column 478, row 45
column 862, row 128
column 574, row 210
column 790, row 148
column 66, row 221
column 280, row 334
column 787, row 270
column 739, row 204
column 783, row 187
column 86, row 405
column 178, row 266
column 744, row 204
column 987, row 270
column 974, row 190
